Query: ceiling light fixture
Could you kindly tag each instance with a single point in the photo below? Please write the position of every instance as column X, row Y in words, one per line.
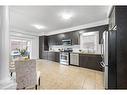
column 66, row 15
column 39, row 26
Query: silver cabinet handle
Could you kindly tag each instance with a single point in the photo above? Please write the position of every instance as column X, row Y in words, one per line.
column 102, row 64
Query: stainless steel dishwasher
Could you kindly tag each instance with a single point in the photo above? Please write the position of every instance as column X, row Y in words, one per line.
column 74, row 59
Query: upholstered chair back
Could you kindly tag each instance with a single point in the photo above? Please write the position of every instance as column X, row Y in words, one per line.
column 26, row 75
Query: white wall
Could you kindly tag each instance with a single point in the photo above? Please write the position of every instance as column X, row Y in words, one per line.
column 93, row 24
column 33, row 38
column 35, row 48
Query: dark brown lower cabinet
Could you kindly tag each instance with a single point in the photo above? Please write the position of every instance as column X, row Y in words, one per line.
column 52, row 56
column 44, row 55
column 57, row 57
column 90, row 61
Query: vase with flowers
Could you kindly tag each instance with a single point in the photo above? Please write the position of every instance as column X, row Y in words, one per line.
column 24, row 53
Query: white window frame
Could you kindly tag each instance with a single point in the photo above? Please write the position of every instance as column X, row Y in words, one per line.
column 96, row 33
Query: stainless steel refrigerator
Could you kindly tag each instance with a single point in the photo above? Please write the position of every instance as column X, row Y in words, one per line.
column 104, row 55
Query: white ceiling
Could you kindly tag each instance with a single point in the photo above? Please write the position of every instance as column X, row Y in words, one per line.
column 21, row 17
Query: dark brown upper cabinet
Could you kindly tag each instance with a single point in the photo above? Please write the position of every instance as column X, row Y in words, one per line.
column 57, row 39
column 75, row 35
column 43, row 45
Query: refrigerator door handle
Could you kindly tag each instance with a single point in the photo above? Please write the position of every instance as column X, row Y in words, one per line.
column 102, row 56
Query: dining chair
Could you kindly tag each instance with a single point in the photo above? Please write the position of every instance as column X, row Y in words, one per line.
column 26, row 74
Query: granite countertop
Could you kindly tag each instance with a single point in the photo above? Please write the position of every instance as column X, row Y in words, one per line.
column 77, row 52
column 51, row 51
column 86, row 53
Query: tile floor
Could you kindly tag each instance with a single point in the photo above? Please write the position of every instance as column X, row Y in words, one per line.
column 57, row 76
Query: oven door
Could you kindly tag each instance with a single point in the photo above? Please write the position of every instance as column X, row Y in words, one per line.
column 64, row 58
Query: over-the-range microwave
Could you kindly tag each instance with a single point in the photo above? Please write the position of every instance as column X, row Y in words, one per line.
column 67, row 42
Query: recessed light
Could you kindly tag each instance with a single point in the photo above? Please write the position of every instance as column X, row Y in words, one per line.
column 66, row 15
column 39, row 26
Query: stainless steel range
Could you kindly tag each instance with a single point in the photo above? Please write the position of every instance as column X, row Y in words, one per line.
column 65, row 56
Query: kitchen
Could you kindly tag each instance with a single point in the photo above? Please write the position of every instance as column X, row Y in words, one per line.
column 105, row 54
column 69, row 46
column 54, row 44
column 70, row 43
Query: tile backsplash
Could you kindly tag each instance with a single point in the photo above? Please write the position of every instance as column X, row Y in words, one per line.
column 75, row 48
column 57, row 47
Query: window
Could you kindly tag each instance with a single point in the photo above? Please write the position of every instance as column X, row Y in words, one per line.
column 18, row 45
column 89, row 41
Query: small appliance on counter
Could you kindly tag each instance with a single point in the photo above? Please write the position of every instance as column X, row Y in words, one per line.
column 104, row 55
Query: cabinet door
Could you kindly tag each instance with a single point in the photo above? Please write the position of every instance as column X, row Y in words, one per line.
column 93, row 62
column 46, row 46
column 41, row 46
column 57, row 57
column 51, row 56
column 90, row 61
column 44, row 55
column 59, row 38
column 55, row 39
column 83, row 60
column 98, row 60
column 50, row 40
column 75, row 38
